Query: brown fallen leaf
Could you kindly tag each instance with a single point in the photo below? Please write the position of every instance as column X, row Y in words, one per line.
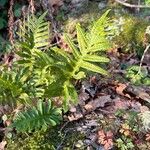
column 144, row 108
column 120, row 90
column 75, row 116
column 98, row 102
column 121, row 104
column 2, row 145
column 106, row 139
column 147, row 137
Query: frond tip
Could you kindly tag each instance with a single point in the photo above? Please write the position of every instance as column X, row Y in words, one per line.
column 41, row 116
column 145, row 119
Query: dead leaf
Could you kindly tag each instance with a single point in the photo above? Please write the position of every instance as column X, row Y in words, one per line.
column 121, row 104
column 2, row 145
column 125, row 129
column 75, row 116
column 143, row 109
column 56, row 2
column 147, row 137
column 105, row 139
column 98, row 102
column 83, row 97
column 120, row 90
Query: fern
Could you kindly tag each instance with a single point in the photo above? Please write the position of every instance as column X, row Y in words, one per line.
column 84, row 55
column 41, row 116
column 33, row 36
column 20, row 86
column 42, row 72
column 145, row 119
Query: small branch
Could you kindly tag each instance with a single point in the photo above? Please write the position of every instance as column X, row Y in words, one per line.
column 131, row 5
column 141, row 62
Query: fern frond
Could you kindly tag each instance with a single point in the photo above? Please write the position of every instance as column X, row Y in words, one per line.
column 70, row 94
column 81, row 38
column 34, row 35
column 145, row 119
column 72, row 46
column 11, row 86
column 83, row 55
column 95, row 58
column 93, row 68
column 41, row 116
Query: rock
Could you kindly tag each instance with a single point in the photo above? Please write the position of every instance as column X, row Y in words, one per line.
column 102, row 5
column 87, row 142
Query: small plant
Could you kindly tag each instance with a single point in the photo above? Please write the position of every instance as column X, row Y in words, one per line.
column 124, row 143
column 137, row 77
column 38, row 117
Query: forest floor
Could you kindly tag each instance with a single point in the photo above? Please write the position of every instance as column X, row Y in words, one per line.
column 107, row 115
column 108, row 110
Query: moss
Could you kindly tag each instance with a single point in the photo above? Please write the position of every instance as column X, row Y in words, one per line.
column 35, row 141
column 48, row 140
column 133, row 30
column 133, row 34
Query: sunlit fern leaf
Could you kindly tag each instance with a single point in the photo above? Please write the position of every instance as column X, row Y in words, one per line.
column 82, row 41
column 145, row 119
column 21, row 85
column 66, row 97
column 84, row 53
column 41, row 116
column 42, row 59
column 34, row 33
column 98, row 33
column 96, row 58
column 66, row 57
column 72, row 46
column 34, row 37
column 11, row 86
column 93, row 68
column 70, row 95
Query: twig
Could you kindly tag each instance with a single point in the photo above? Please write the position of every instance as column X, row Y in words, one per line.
column 141, row 62
column 64, row 126
column 66, row 132
column 11, row 21
column 131, row 5
column 31, row 6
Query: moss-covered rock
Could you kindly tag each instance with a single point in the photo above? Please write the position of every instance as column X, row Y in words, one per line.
column 132, row 37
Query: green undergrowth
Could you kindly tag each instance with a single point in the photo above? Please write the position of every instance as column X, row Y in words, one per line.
column 45, row 140
column 132, row 35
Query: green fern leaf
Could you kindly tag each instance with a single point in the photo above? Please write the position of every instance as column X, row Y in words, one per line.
column 82, row 41
column 94, row 68
column 41, row 116
column 75, row 51
column 96, row 58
